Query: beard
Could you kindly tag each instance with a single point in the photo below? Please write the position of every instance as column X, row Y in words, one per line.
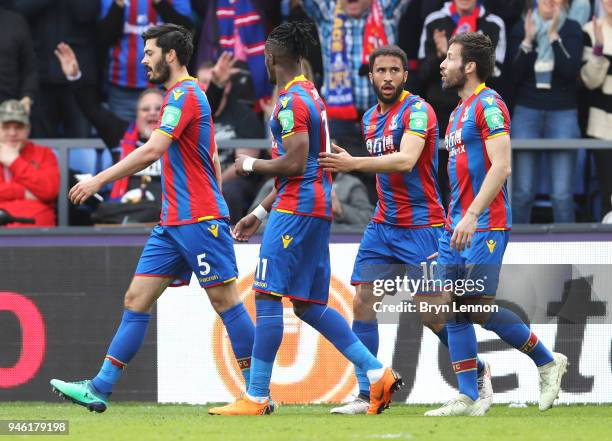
column 456, row 82
column 393, row 98
column 160, row 73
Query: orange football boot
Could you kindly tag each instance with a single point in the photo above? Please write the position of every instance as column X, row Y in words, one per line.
column 381, row 391
column 243, row 406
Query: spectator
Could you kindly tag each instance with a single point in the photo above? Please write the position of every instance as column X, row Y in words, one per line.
column 350, row 203
column 349, row 30
column 17, row 60
column 29, row 175
column 545, row 54
column 55, row 113
column 233, row 118
column 120, row 28
column 454, row 18
column 596, row 76
column 508, row 10
column 121, row 136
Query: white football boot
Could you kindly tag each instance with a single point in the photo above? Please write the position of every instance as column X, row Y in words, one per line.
column 460, row 406
column 550, row 380
column 356, row 407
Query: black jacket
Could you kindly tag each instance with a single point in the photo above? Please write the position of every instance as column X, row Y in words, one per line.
column 445, row 101
column 54, row 21
column 568, row 60
column 17, row 60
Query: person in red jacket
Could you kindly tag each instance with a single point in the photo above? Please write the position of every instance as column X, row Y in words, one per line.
column 29, row 175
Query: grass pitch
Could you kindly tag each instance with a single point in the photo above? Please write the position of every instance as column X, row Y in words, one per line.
column 146, row 421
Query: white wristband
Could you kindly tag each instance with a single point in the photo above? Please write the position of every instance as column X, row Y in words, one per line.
column 247, row 165
column 76, row 77
column 260, row 212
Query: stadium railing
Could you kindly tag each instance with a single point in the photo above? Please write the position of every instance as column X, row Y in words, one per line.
column 62, row 147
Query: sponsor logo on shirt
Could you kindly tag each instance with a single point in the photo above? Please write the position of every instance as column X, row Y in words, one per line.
column 380, row 146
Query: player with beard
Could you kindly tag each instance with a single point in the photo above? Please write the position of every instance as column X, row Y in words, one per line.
column 478, row 225
column 401, row 134
column 194, row 233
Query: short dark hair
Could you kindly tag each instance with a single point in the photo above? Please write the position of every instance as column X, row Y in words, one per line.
column 292, row 39
column 478, row 48
column 390, row 51
column 171, row 36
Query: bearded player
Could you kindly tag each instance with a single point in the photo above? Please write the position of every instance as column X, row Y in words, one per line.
column 193, row 235
column 478, row 225
column 401, row 134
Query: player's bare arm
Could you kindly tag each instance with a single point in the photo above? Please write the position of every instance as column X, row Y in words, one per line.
column 248, row 225
column 292, row 163
column 499, row 153
column 218, row 172
column 139, row 159
column 403, row 161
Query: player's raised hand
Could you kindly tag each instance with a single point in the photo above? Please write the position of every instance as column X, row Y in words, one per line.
column 462, row 236
column 245, row 228
column 339, row 161
column 67, row 59
column 85, row 189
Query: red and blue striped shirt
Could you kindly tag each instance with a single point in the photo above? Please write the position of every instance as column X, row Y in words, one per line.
column 189, row 183
column 481, row 117
column 299, row 108
column 405, row 199
column 124, row 67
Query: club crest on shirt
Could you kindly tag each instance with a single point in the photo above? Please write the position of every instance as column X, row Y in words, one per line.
column 466, row 114
column 393, row 124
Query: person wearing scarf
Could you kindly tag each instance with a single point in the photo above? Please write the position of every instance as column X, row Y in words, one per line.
column 242, row 33
column 349, row 30
column 545, row 58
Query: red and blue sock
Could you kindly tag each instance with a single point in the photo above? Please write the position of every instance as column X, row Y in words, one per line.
column 463, row 347
column 125, row 344
column 443, row 336
column 241, row 333
column 511, row 329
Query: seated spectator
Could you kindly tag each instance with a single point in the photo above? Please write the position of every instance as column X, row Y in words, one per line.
column 233, row 118
column 120, row 28
column 596, row 76
column 17, row 60
column 29, row 175
column 545, row 54
column 54, row 112
column 349, row 31
column 350, row 202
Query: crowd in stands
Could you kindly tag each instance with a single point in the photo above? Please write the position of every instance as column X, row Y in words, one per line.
column 71, row 69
